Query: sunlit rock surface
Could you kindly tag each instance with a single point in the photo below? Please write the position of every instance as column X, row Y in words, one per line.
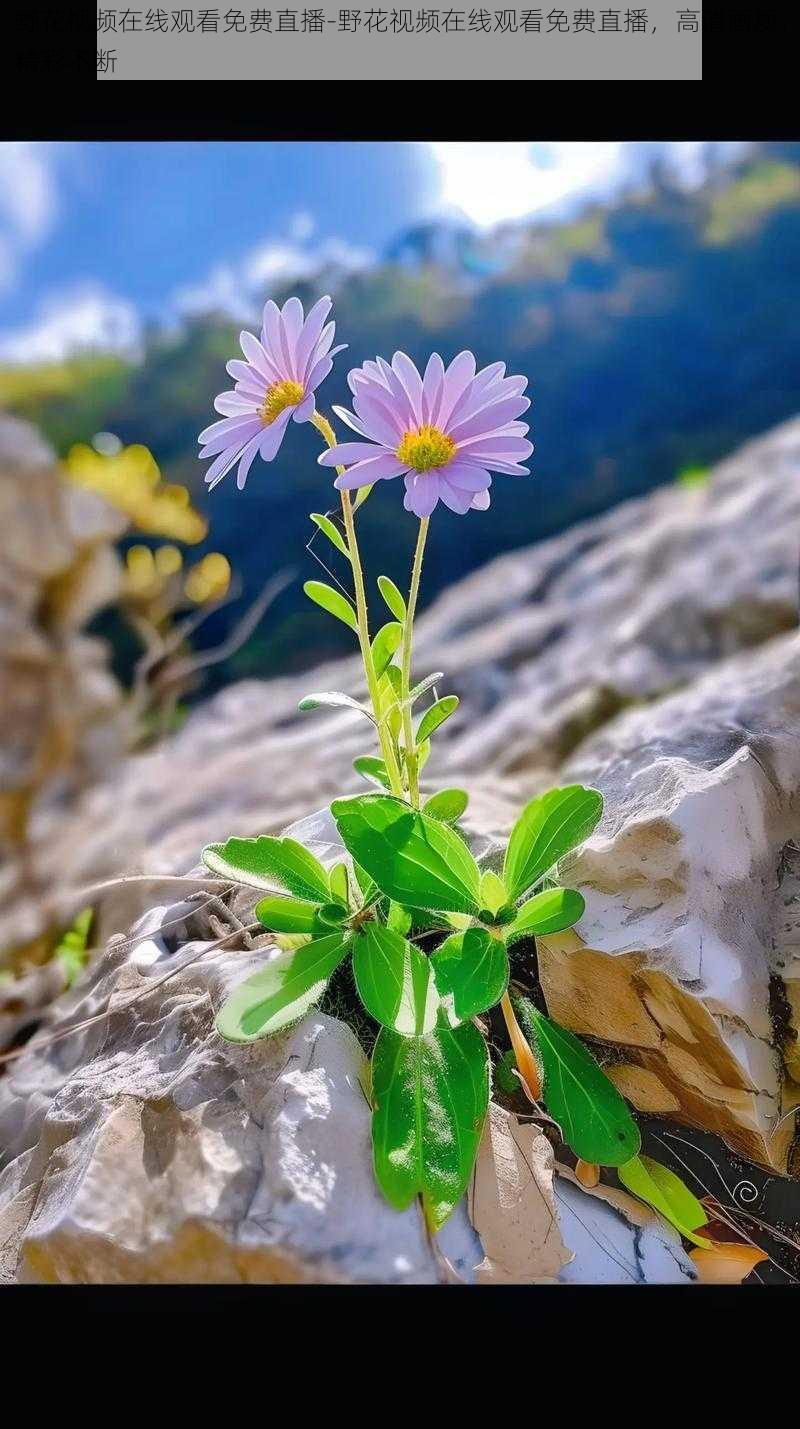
column 143, row 1149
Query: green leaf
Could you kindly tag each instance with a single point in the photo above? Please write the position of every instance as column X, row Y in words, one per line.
column 264, row 862
column 340, row 888
column 332, row 914
column 417, row 861
column 447, row 806
column 368, row 886
column 471, row 973
column 505, row 1074
column 393, row 598
column 661, row 1188
column 430, row 1096
column 333, row 697
column 423, row 754
column 548, row 912
column 384, row 645
column 399, row 919
column 389, row 692
column 361, row 495
column 594, row 1119
column 424, row 685
column 394, row 981
column 332, row 532
column 493, row 891
column 288, row 915
column 330, row 600
column 548, row 828
column 279, row 994
column 373, row 770
column 71, row 950
column 436, row 715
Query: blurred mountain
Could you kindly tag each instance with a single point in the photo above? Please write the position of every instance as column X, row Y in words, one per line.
column 657, row 333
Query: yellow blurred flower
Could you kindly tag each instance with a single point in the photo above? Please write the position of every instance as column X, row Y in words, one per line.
column 209, row 580
column 131, row 481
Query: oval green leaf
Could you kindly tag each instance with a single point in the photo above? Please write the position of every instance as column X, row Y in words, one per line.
column 384, row 645
column 393, row 598
column 282, row 992
column 547, row 829
column 373, row 770
column 493, row 891
column 332, row 532
column 414, row 860
column 329, row 599
column 471, row 973
column 340, row 887
column 548, row 912
column 594, row 1119
column 447, row 806
column 436, row 715
column 394, row 981
column 288, row 915
column 335, row 698
column 430, row 1096
column 266, row 862
column 665, row 1192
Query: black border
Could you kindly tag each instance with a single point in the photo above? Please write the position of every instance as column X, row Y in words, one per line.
column 747, row 92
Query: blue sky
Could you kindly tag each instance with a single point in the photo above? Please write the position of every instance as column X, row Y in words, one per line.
column 97, row 239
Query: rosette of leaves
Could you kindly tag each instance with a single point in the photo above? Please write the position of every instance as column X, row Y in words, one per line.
column 411, row 872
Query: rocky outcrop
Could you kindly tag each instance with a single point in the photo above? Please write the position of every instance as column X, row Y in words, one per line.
column 652, row 652
column 688, row 885
column 60, row 706
column 141, row 1148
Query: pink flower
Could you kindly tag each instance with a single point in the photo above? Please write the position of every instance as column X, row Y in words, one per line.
column 445, row 432
column 276, row 382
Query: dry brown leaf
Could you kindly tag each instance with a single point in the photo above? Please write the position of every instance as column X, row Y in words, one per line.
column 727, row 1263
column 634, row 1211
column 588, row 1173
column 512, row 1206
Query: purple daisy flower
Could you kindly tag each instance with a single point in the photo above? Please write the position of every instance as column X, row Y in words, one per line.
column 445, row 432
column 277, row 381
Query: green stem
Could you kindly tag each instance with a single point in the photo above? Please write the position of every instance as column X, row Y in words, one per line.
column 405, row 669
column 325, row 429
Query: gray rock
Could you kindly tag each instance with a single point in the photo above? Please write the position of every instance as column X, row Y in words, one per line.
column 145, row 1149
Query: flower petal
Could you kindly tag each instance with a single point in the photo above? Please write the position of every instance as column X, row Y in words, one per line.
column 346, row 453
column 241, row 432
column 467, row 478
column 456, row 379
column 273, row 435
column 257, row 357
column 481, row 501
column 489, row 418
column 349, row 420
column 310, row 336
column 246, row 461
column 422, row 492
column 318, row 374
column 406, row 372
column 432, row 388
column 233, row 404
column 271, row 332
column 453, row 497
column 305, row 409
column 244, row 373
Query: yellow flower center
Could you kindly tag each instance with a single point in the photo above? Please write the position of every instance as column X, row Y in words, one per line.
column 425, row 449
column 280, row 396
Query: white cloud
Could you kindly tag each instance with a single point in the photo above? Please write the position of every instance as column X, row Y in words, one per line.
column 28, row 202
column 240, row 288
column 492, row 183
column 88, row 318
